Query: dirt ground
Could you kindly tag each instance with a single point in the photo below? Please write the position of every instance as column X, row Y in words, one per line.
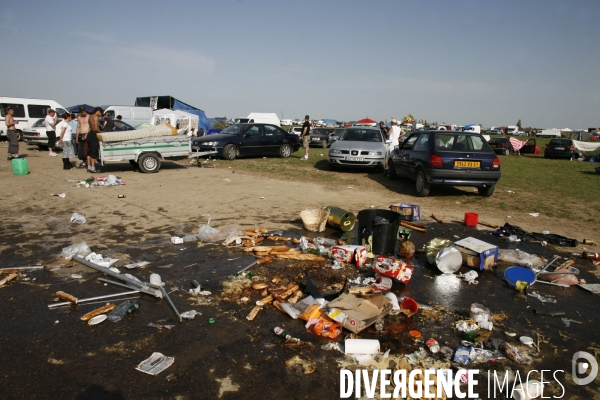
column 58, row 356
column 180, row 198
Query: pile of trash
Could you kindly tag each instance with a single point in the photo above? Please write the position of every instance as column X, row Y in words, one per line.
column 93, row 181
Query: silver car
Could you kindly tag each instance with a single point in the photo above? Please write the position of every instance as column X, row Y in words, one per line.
column 359, row 146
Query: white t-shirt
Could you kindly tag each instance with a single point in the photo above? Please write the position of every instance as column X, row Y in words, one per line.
column 48, row 122
column 68, row 132
column 394, row 136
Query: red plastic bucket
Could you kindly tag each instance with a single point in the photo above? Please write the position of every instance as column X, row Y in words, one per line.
column 471, row 219
column 409, row 306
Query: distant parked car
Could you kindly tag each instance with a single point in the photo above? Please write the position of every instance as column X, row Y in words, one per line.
column 494, row 132
column 501, row 145
column 296, row 130
column 324, row 137
column 446, row 158
column 561, row 148
column 359, row 146
column 520, row 133
column 243, row 140
column 36, row 134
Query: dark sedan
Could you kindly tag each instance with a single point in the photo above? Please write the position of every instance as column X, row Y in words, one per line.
column 501, row 145
column 561, row 148
column 324, row 137
column 245, row 140
column 446, row 158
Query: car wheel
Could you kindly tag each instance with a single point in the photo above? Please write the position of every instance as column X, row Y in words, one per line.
column 421, row 184
column 19, row 136
column 487, row 191
column 285, row 151
column 507, row 152
column 229, row 152
column 324, row 144
column 392, row 170
column 149, row 163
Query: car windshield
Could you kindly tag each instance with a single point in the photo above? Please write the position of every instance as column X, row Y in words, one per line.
column 38, row 124
column 233, row 129
column 361, row 135
column 454, row 142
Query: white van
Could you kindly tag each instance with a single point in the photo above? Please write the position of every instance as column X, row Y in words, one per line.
column 131, row 114
column 287, row 122
column 264, row 118
column 27, row 112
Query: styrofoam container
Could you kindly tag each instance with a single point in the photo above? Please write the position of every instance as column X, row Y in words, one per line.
column 362, row 346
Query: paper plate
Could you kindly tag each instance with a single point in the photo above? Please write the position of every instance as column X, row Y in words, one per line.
column 97, row 319
column 526, row 340
column 514, row 274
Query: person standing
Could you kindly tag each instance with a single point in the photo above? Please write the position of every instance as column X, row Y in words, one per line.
column 383, row 129
column 50, row 121
column 305, row 135
column 109, row 124
column 11, row 134
column 73, row 124
column 83, row 128
column 92, row 140
column 66, row 131
column 394, row 134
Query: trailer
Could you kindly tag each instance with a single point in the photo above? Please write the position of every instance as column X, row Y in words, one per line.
column 147, row 153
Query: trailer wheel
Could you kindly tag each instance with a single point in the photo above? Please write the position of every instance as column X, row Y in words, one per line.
column 149, row 163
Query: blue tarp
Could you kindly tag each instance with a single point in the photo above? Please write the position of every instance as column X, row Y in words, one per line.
column 202, row 120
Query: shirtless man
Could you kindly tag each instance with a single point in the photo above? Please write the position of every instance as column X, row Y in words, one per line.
column 83, row 128
column 11, row 134
column 92, row 139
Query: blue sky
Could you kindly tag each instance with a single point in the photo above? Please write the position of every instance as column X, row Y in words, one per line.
column 462, row 62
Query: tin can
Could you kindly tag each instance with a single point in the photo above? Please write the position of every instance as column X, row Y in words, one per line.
column 433, row 345
column 121, row 196
column 588, row 241
column 591, row 256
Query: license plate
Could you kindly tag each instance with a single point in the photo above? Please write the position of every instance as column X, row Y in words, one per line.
column 316, row 139
column 354, row 159
column 559, row 148
column 467, row 164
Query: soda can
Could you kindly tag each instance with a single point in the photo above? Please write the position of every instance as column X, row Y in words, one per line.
column 121, row 196
column 433, row 345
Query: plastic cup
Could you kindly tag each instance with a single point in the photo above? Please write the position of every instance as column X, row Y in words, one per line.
column 409, row 306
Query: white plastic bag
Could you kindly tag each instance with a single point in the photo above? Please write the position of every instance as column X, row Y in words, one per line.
column 80, row 249
column 77, row 219
column 522, row 258
column 207, row 233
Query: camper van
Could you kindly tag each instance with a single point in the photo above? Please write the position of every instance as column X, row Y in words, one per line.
column 131, row 114
column 264, row 118
column 27, row 112
column 554, row 132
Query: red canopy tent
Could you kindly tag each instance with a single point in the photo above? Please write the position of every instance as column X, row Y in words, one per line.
column 366, row 121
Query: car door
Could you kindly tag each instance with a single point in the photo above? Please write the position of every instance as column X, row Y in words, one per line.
column 419, row 154
column 252, row 142
column 401, row 157
column 273, row 138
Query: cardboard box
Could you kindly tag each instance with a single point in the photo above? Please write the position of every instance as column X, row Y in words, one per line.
column 408, row 212
column 361, row 312
column 477, row 253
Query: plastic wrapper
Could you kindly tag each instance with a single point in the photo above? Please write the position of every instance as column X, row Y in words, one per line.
column 470, row 277
column 79, row 249
column 207, row 233
column 155, row 364
column 77, row 219
column 434, row 246
column 325, row 328
column 522, row 258
column 393, row 268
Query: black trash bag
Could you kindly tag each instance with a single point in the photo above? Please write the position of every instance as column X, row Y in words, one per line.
column 380, row 221
column 550, row 238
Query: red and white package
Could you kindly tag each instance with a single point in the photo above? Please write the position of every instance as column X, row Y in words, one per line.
column 356, row 255
column 384, row 284
column 392, row 268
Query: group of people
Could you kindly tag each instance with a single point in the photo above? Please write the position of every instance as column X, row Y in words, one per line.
column 77, row 134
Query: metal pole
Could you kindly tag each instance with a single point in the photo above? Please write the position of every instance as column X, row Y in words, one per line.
column 106, row 296
column 107, row 271
column 170, row 302
column 141, row 290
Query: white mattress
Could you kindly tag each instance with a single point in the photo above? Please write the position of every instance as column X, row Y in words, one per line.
column 159, row 130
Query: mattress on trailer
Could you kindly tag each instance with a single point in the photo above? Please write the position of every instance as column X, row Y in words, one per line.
column 153, row 131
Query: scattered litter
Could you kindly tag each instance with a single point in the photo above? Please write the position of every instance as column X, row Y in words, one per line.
column 300, row 365
column 190, row 314
column 542, row 298
column 77, row 219
column 155, row 364
column 137, row 265
column 534, row 214
column 76, row 276
column 153, row 325
column 470, row 277
column 61, row 195
column 80, row 249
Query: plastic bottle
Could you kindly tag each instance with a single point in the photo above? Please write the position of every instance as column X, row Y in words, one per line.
column 280, row 333
column 325, row 241
column 119, row 311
